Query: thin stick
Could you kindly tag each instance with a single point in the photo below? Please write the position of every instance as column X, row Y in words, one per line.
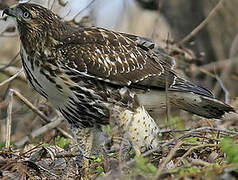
column 204, row 23
column 30, row 105
column 192, row 149
column 38, row 132
column 64, row 155
column 218, row 65
column 12, row 77
column 10, row 71
column 39, row 113
column 225, row 75
column 201, row 129
column 9, row 121
column 167, row 99
column 46, row 170
column 168, row 158
column 199, row 162
column 88, row 5
column 52, row 5
column 11, row 62
column 227, row 94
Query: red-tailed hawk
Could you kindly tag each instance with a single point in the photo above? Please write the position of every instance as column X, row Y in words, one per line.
column 91, row 73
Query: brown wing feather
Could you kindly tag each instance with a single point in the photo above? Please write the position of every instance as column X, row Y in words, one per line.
column 166, row 60
column 174, row 82
column 111, row 56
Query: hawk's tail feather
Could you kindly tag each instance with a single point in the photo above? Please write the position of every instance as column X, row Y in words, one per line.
column 201, row 105
column 187, row 86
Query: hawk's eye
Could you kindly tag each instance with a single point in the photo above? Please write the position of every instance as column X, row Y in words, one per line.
column 26, row 15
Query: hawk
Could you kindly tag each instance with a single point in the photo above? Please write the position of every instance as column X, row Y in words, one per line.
column 91, row 74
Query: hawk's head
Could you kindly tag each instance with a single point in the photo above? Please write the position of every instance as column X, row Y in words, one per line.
column 35, row 21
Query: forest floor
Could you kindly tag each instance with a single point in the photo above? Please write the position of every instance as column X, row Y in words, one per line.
column 189, row 149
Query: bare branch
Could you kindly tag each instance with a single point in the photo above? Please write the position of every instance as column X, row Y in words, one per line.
column 89, row 4
column 39, row 113
column 192, row 149
column 204, row 23
column 38, row 132
column 9, row 120
column 12, row 77
column 10, row 71
column 11, row 62
column 168, row 158
column 202, row 129
column 199, row 162
column 227, row 94
column 225, row 75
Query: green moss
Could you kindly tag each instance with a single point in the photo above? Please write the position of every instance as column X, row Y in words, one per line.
column 143, row 167
column 191, row 139
column 61, row 141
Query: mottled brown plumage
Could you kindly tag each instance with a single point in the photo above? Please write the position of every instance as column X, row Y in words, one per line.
column 91, row 73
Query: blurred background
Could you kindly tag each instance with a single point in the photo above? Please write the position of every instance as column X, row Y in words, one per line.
column 208, row 58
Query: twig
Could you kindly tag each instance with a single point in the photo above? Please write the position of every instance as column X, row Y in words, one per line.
column 30, row 105
column 52, row 5
column 168, row 158
column 39, row 113
column 11, row 71
column 207, row 72
column 9, row 121
column 46, row 170
column 8, row 34
column 88, row 5
column 11, row 62
column 218, row 65
column 30, row 150
column 12, row 77
column 225, row 75
column 227, row 94
column 220, row 168
column 192, row 149
column 167, row 99
column 65, row 155
column 38, row 132
column 199, row 162
column 204, row 23
column 201, row 129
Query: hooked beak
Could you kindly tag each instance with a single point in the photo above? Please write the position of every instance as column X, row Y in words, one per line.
column 10, row 11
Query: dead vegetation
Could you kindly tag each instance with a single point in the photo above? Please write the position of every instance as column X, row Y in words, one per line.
column 36, row 144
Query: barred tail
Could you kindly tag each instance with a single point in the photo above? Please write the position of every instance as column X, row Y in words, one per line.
column 201, row 105
column 195, row 103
